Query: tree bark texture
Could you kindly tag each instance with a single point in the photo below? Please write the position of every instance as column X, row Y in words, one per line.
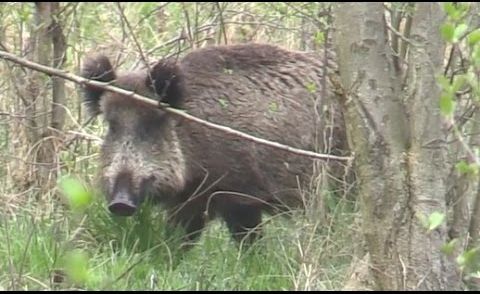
column 41, row 46
column 44, row 109
column 59, row 52
column 399, row 144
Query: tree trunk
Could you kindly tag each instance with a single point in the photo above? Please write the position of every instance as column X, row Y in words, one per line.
column 399, row 145
column 58, row 89
column 42, row 109
column 427, row 156
column 37, row 111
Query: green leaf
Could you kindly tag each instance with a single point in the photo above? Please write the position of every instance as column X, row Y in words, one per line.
column 459, row 31
column 273, row 106
column 469, row 260
column 76, row 266
column 223, row 102
column 147, row 8
column 465, row 168
column 311, row 87
column 447, row 104
column 435, row 220
column 448, row 248
column 462, row 9
column 449, row 8
column 473, row 37
column 319, row 38
column 444, row 82
column 458, row 82
column 448, row 31
column 78, row 197
column 456, row 11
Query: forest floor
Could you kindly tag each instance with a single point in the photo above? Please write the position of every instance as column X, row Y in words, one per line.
column 48, row 246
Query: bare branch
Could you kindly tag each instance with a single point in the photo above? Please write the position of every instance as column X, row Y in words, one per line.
column 407, row 30
column 84, row 135
column 188, row 26
column 80, row 80
column 148, row 15
column 449, row 62
column 400, row 35
column 304, row 14
column 396, row 19
column 132, row 33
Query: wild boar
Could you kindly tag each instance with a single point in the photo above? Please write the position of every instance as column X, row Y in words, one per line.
column 195, row 171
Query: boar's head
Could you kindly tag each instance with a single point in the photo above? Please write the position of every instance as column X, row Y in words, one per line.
column 141, row 155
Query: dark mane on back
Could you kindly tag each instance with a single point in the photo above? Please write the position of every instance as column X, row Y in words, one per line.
column 239, row 57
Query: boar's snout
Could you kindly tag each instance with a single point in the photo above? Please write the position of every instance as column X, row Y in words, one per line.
column 122, row 205
column 123, row 201
column 128, row 192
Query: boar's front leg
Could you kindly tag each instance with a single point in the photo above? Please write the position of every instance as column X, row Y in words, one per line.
column 190, row 216
column 243, row 221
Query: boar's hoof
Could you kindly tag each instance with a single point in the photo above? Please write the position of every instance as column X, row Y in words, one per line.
column 122, row 207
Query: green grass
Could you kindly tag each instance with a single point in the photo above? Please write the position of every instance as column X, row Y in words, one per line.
column 95, row 251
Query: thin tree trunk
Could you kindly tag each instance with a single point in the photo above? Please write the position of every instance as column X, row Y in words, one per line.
column 58, row 89
column 377, row 129
column 43, row 110
column 37, row 110
column 463, row 187
column 474, row 226
column 427, row 158
column 399, row 158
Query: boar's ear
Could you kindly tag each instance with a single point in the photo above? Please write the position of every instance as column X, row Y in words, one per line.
column 166, row 81
column 100, row 69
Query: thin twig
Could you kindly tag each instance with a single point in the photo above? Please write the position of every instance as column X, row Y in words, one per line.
column 406, row 33
column 148, row 15
column 167, row 43
column 400, row 35
column 106, row 86
column 132, row 33
column 449, row 62
column 84, row 135
column 188, row 26
column 304, row 14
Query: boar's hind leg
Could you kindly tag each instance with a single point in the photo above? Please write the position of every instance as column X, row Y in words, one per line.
column 243, row 221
